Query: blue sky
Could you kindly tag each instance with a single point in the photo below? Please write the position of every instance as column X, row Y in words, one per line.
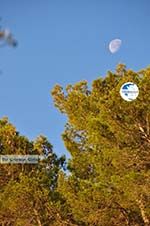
column 64, row 42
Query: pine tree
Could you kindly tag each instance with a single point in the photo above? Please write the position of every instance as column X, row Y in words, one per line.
column 28, row 193
column 109, row 142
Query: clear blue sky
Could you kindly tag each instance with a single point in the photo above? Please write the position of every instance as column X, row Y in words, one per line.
column 64, row 42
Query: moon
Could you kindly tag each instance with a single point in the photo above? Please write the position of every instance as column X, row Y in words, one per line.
column 115, row 45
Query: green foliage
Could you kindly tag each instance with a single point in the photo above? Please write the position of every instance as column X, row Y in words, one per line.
column 28, row 193
column 109, row 141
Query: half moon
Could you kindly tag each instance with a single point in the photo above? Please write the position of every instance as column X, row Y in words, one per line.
column 115, row 45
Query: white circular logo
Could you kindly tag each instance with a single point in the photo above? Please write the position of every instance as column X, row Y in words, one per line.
column 129, row 91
